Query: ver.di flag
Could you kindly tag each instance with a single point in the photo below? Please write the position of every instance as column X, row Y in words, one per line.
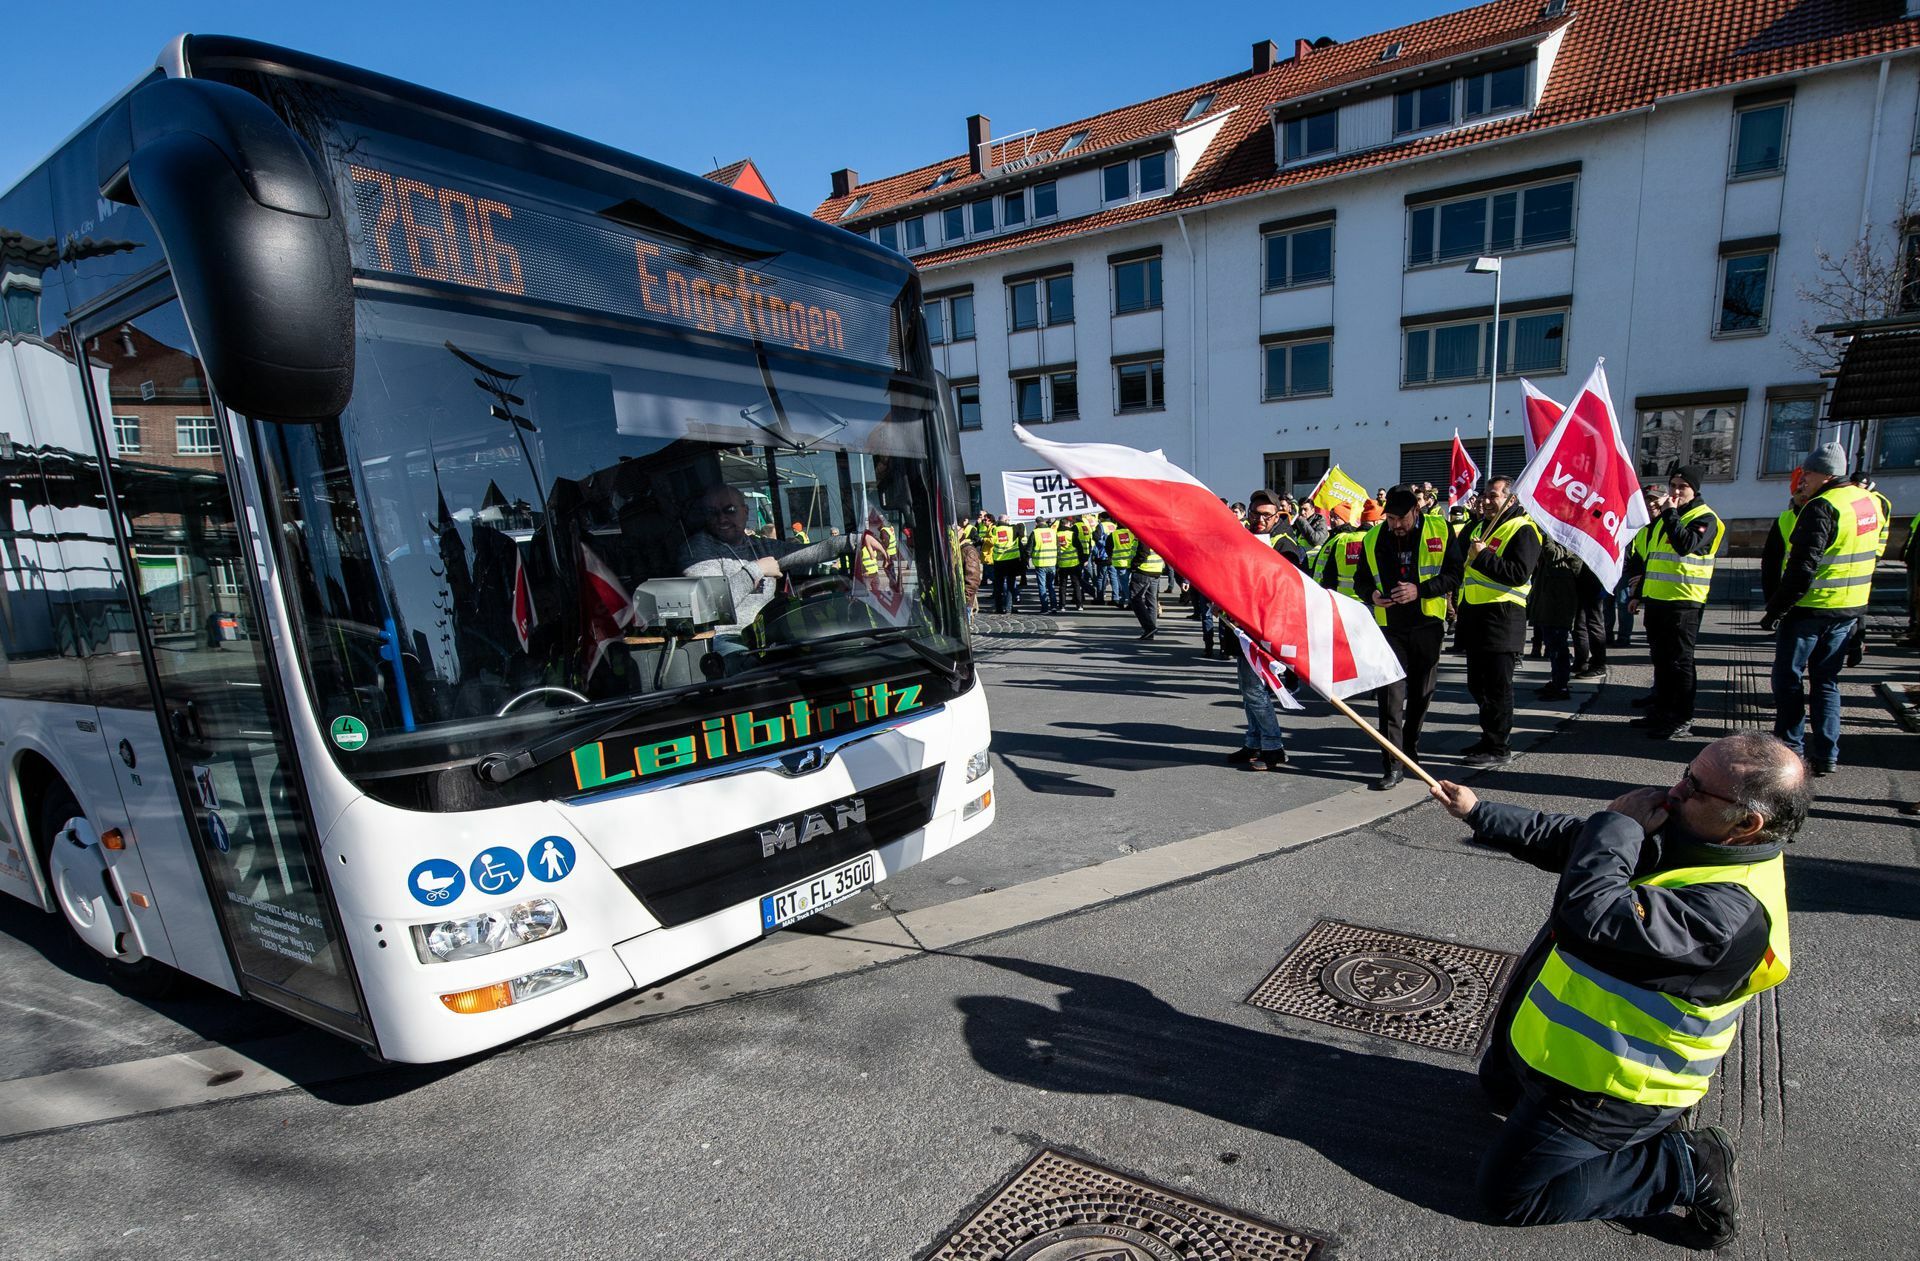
column 1542, row 414
column 523, row 614
column 1463, row 475
column 1329, row 640
column 1582, row 488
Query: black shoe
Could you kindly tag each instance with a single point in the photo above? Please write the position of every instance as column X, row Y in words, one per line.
column 1714, row 1218
column 1481, row 745
column 1146, row 635
column 1275, row 759
column 1492, row 757
column 1591, row 672
column 1553, row 694
column 1670, row 731
column 1647, row 720
column 1822, row 769
column 1388, row 780
column 1643, row 702
column 1240, row 757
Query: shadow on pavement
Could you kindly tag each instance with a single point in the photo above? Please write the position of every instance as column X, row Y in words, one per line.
column 1400, row 1125
column 1848, row 888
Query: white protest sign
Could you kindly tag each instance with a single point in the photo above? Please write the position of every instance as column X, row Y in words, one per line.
column 1043, row 495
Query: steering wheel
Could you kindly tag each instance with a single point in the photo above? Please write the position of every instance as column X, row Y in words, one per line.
column 535, row 691
column 822, row 584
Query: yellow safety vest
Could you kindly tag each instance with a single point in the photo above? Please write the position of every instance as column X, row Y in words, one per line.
column 1886, row 522
column 1345, row 553
column 892, row 539
column 1122, row 552
column 983, row 535
column 1476, row 587
column 1671, row 576
column 1147, row 561
column 1784, row 524
column 1845, row 577
column 1429, row 557
column 1046, row 547
column 1005, row 546
column 802, row 536
column 1597, row 1033
column 1069, row 547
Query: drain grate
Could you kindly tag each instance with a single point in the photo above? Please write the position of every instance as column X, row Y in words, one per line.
column 1062, row 1209
column 1436, row 994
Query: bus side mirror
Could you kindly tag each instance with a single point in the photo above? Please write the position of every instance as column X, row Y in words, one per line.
column 257, row 248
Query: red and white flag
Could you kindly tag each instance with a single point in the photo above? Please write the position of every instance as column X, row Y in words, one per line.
column 1329, row 640
column 1464, row 474
column 1582, row 488
column 1542, row 414
column 606, row 608
column 523, row 615
column 1265, row 668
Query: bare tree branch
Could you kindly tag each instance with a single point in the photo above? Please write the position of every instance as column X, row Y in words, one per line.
column 1874, row 278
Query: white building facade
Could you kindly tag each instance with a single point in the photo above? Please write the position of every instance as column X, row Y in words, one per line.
column 1163, row 293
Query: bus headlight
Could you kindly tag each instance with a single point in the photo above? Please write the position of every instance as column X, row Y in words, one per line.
column 499, row 929
column 978, row 765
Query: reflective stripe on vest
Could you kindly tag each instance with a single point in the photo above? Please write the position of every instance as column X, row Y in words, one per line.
column 1148, row 561
column 1477, row 588
column 1046, row 547
column 1122, row 546
column 1598, row 1033
column 1845, row 577
column 1671, row 576
column 1429, row 556
column 1345, row 552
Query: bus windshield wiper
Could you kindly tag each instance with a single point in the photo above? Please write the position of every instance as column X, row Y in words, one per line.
column 498, row 768
column 884, row 636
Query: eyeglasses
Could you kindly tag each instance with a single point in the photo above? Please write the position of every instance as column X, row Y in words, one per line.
column 1691, row 783
column 725, row 510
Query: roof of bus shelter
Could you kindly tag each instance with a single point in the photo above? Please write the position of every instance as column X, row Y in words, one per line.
column 1617, row 56
column 1879, row 372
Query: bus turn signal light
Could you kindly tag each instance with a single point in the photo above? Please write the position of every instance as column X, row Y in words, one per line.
column 518, row 990
column 112, row 839
column 486, row 998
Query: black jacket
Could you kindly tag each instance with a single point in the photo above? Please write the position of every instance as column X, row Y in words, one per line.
column 1813, row 533
column 1441, row 585
column 1693, row 539
column 1500, row 627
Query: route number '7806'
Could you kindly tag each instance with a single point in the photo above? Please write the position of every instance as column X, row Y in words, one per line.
column 796, row 902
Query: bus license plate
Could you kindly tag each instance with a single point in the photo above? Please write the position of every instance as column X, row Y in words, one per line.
column 796, row 902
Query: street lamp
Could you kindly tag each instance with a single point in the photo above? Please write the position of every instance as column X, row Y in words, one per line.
column 1488, row 266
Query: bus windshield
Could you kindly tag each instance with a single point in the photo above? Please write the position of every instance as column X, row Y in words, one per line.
column 517, row 516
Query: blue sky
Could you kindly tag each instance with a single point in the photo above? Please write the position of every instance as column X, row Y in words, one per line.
column 802, row 89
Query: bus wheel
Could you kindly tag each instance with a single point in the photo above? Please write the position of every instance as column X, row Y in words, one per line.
column 77, row 875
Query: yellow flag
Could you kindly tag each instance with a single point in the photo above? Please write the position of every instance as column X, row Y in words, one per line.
column 1337, row 488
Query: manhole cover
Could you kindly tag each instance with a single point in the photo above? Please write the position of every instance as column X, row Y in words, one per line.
column 1436, row 994
column 1062, row 1209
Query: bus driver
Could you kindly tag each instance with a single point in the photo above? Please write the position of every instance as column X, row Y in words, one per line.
column 723, row 547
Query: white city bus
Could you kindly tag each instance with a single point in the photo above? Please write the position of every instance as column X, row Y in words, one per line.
column 381, row 633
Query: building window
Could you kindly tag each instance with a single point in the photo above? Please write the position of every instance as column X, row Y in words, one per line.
column 1153, row 173
column 974, row 503
column 1046, row 200
column 1074, row 141
column 1896, row 444
column 1136, row 286
column 1140, row 387
column 935, row 315
column 1046, row 397
column 1138, row 178
column 981, row 216
column 1302, row 369
column 966, row 404
column 1534, row 342
column 949, row 319
column 1433, row 461
column 1699, row 434
column 1760, row 139
column 1743, row 293
column 1309, row 137
column 1047, row 300
column 1200, row 106
column 126, row 435
column 1301, row 257
column 1295, row 473
column 1423, row 109
column 1495, row 92
column 953, row 224
column 1013, row 208
column 1116, row 182
column 915, row 230
column 887, row 236
column 196, row 435
column 1791, row 423
column 1909, row 299
column 855, row 206
column 1492, row 223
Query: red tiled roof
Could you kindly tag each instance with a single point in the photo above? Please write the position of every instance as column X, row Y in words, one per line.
column 728, row 173
column 1617, row 55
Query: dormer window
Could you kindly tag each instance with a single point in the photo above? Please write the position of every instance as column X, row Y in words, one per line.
column 1074, row 141
column 1423, row 108
column 1199, row 107
column 1496, row 92
column 855, row 206
column 1312, row 136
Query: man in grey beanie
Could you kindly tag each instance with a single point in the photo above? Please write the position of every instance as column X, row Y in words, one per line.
column 1815, row 595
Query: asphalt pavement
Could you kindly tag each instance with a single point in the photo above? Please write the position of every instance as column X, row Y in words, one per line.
column 1075, row 982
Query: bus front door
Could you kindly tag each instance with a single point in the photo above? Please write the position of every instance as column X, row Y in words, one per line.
column 199, row 625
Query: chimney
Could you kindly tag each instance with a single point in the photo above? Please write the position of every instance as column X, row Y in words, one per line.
column 1301, row 48
column 1265, row 54
column 979, row 131
column 845, row 180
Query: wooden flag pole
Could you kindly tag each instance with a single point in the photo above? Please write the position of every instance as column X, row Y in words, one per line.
column 1382, row 741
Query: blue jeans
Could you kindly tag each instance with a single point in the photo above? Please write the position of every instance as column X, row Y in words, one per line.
column 1815, row 647
column 1263, row 723
column 1122, row 585
column 1539, row 1171
column 1559, row 642
column 1049, row 592
column 1006, row 580
column 1614, row 609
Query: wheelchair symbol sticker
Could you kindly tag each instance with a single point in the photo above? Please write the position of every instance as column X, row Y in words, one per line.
column 550, row 858
column 497, row 870
column 436, row 882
